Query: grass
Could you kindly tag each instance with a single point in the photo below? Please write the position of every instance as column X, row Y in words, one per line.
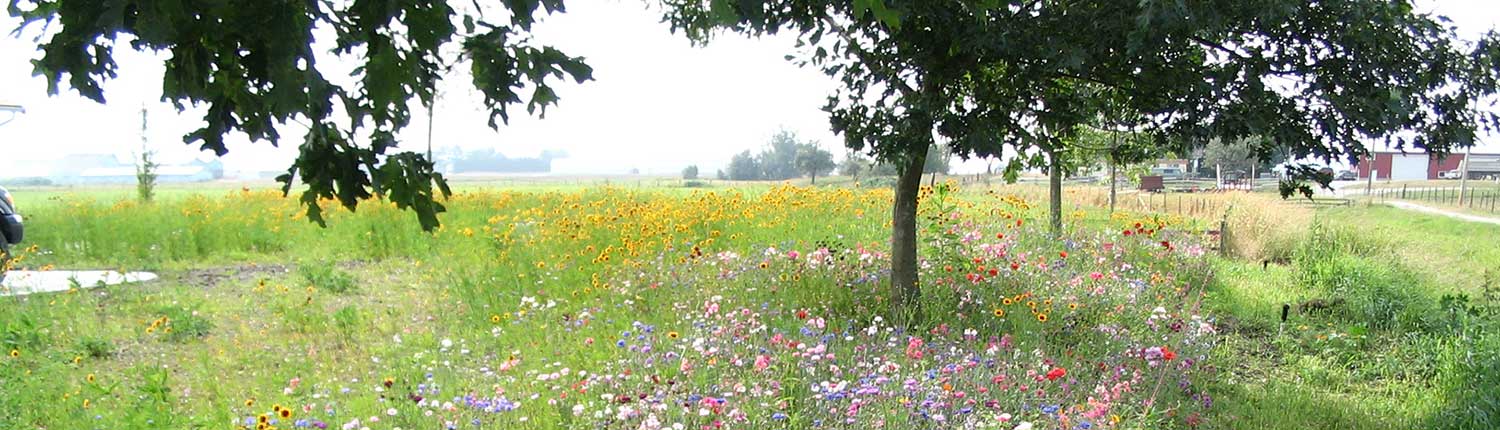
column 537, row 300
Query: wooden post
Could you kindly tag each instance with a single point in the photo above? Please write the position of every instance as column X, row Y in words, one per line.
column 1223, row 236
column 1463, row 175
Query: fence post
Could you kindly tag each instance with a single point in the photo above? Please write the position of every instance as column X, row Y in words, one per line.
column 1223, row 236
column 1403, row 191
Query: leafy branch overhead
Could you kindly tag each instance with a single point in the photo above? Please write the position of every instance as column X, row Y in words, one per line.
column 255, row 65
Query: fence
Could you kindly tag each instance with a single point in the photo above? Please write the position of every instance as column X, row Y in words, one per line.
column 1485, row 198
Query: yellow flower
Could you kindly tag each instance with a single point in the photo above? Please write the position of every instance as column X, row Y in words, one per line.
column 249, row 403
column 89, row 378
column 15, row 353
column 1041, row 317
column 495, row 319
column 672, row 334
column 1000, row 313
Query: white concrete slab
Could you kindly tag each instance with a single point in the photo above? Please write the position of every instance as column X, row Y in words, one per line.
column 23, row 282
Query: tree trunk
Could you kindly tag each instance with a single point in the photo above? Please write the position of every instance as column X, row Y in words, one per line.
column 814, row 176
column 1055, row 174
column 1113, row 178
column 1114, row 145
column 905, row 291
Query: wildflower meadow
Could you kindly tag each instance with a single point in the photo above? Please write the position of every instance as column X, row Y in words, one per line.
column 654, row 308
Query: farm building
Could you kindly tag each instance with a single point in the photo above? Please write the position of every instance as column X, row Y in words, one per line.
column 1391, row 165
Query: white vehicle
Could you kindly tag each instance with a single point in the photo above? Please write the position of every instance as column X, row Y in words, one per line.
column 1450, row 174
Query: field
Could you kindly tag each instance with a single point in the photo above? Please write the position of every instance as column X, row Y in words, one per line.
column 758, row 307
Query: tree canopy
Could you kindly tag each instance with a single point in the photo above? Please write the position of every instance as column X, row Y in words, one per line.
column 1316, row 79
column 255, row 65
column 814, row 161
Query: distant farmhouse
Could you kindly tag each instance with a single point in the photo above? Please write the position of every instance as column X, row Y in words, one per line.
column 91, row 169
column 1392, row 165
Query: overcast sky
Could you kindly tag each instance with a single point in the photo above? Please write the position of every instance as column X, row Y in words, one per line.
column 657, row 103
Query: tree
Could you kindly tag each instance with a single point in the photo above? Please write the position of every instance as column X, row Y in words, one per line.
column 745, row 167
column 814, row 161
column 778, row 161
column 854, row 164
column 690, row 173
column 1237, row 154
column 254, row 66
column 1315, row 78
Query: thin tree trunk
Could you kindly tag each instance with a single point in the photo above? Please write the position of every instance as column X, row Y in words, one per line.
column 814, row 177
column 1055, row 173
column 905, row 291
column 1113, row 178
column 1113, row 146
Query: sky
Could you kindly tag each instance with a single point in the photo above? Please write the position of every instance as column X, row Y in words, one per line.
column 657, row 103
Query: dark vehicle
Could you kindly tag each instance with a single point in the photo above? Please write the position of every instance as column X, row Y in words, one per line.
column 1347, row 176
column 11, row 232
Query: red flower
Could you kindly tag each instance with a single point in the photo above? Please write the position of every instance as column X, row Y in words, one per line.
column 1015, row 266
column 1167, row 354
column 1056, row 373
column 1064, row 254
column 994, row 272
column 999, row 235
column 802, row 314
column 1166, row 244
column 1128, row 232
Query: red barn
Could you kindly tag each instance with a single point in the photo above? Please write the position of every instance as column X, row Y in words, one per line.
column 1410, row 165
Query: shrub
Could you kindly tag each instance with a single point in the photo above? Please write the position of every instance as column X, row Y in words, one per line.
column 347, row 320
column 327, row 278
column 181, row 324
column 93, row 347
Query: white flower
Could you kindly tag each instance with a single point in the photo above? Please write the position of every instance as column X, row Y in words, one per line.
column 1024, row 425
column 391, row 412
column 447, row 343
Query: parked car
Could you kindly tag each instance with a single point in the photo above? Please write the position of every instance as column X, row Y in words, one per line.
column 1449, row 174
column 11, row 231
column 1347, row 175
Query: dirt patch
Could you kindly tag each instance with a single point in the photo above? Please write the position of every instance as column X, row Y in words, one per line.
column 213, row 276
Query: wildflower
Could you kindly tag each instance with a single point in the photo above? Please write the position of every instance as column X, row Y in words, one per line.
column 672, row 334
column 495, row 319
column 1041, row 317
column 1063, row 254
column 286, row 413
column 1056, row 373
column 89, row 378
column 999, row 313
column 914, row 348
column 249, row 403
column 15, row 353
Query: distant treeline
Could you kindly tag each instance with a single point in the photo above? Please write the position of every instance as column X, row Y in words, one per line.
column 489, row 160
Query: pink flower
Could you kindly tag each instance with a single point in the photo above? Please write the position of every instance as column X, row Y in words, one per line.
column 762, row 362
column 914, row 348
column 792, row 254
